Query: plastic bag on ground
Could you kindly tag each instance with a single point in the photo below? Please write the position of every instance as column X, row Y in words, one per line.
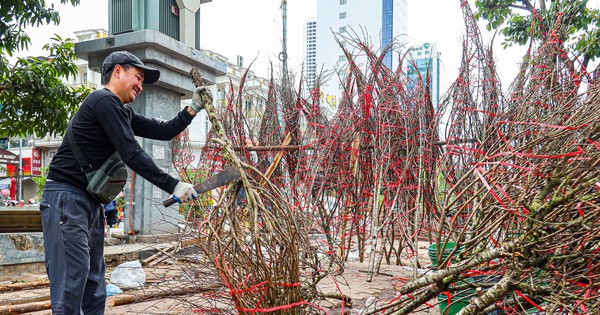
column 112, row 289
column 129, row 275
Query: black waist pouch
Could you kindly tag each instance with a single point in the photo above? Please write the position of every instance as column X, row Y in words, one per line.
column 105, row 183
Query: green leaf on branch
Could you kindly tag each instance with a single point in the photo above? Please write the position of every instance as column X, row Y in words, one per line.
column 36, row 101
column 521, row 21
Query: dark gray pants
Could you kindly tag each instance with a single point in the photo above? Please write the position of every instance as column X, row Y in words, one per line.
column 73, row 226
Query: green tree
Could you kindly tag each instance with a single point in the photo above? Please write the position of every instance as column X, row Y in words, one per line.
column 522, row 20
column 40, row 182
column 33, row 99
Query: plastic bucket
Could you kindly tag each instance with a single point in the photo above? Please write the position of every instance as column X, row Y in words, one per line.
column 452, row 304
column 450, row 246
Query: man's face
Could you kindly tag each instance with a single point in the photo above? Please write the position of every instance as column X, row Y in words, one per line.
column 130, row 82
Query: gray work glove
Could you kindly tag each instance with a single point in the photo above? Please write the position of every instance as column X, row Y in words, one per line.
column 184, row 192
column 197, row 98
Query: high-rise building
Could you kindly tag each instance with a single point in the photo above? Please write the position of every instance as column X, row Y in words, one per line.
column 425, row 61
column 377, row 23
column 310, row 51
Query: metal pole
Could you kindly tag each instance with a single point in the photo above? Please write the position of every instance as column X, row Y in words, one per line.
column 20, row 192
column 284, row 36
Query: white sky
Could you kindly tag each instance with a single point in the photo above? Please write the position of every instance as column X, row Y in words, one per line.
column 252, row 29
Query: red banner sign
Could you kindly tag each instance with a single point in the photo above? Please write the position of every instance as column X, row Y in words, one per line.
column 36, row 162
column 13, row 169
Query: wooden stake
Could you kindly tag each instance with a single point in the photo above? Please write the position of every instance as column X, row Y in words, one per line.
column 278, row 156
column 25, row 308
column 26, row 285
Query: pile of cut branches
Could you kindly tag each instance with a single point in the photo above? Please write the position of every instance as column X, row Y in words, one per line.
column 522, row 199
column 511, row 183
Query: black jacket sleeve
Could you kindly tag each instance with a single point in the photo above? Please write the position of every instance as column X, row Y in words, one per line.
column 122, row 125
column 158, row 129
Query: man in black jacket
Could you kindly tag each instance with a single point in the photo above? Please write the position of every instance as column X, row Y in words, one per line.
column 72, row 221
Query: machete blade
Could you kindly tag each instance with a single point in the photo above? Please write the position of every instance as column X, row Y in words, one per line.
column 225, row 177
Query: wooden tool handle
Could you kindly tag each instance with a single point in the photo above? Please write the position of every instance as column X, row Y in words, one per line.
column 169, row 202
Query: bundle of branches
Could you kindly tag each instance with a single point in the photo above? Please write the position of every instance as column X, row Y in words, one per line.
column 251, row 232
column 522, row 204
column 270, row 134
column 370, row 173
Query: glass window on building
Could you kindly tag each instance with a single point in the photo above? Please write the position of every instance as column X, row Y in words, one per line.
column 342, row 29
column 342, row 15
column 16, row 142
column 342, row 58
column 342, row 2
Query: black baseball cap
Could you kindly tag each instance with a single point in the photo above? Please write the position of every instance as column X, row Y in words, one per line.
column 122, row 57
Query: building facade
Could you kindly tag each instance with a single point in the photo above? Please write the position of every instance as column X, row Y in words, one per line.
column 424, row 60
column 377, row 23
column 310, row 51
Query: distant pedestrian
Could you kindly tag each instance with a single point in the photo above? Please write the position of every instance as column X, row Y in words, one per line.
column 110, row 212
column 13, row 188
